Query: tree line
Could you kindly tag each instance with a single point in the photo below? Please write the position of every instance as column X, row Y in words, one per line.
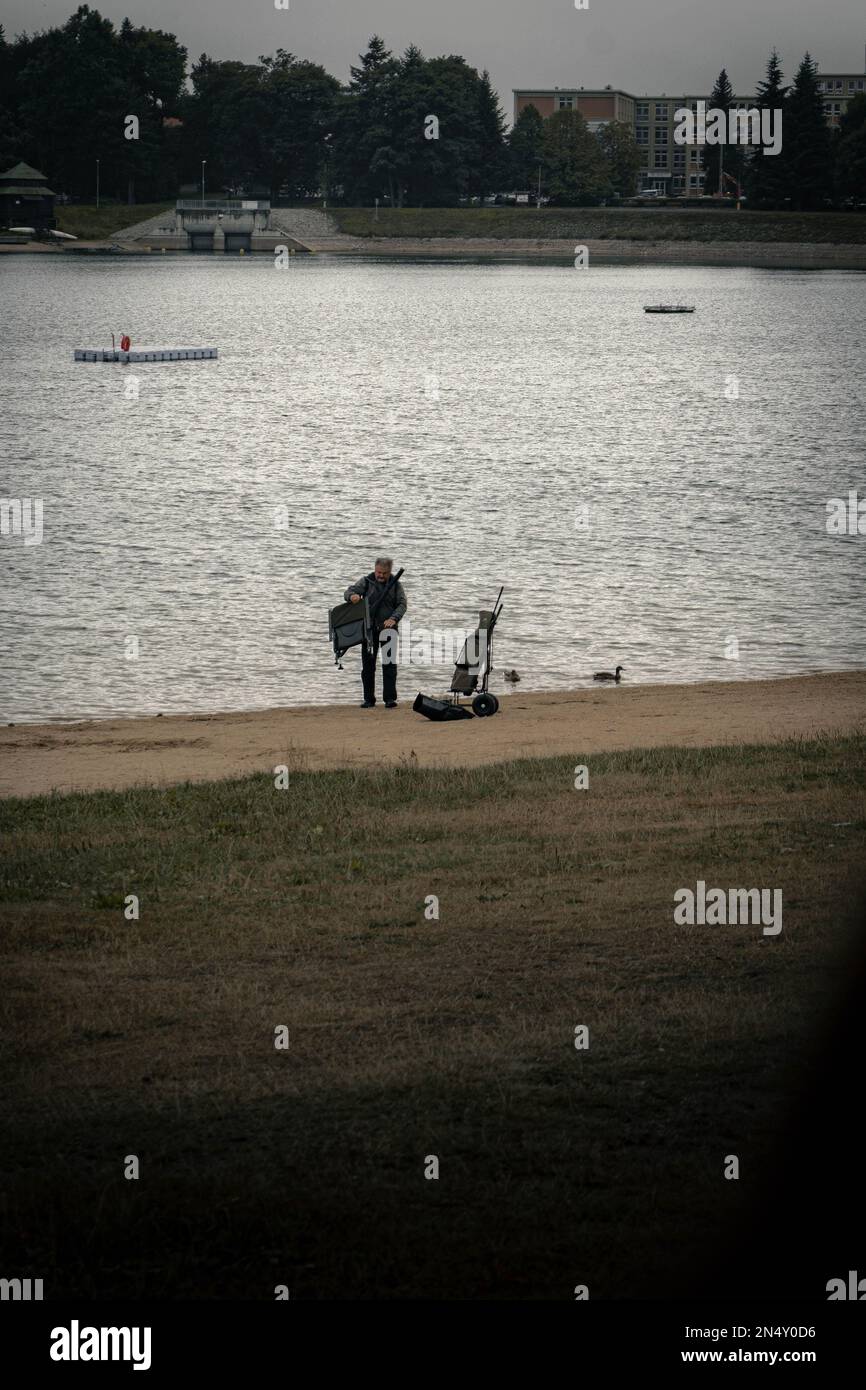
column 282, row 125
column 817, row 164
column 408, row 130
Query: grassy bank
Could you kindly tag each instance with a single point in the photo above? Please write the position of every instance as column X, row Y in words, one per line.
column 409, row 1037
column 94, row 224
column 601, row 224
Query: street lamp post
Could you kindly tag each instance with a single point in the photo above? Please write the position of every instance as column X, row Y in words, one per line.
column 97, row 183
column 325, row 194
column 203, row 163
column 327, row 168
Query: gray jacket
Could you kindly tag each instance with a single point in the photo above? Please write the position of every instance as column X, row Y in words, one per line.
column 392, row 606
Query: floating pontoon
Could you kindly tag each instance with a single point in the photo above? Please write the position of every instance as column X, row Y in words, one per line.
column 144, row 354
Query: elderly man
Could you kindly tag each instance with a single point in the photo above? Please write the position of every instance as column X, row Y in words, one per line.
column 386, row 616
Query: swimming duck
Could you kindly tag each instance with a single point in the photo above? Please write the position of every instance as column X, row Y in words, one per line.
column 609, row 675
column 512, row 676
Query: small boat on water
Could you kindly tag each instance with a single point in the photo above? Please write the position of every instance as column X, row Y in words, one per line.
column 669, row 308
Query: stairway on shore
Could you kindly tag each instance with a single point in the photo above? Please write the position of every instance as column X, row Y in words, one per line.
column 161, row 226
column 313, row 227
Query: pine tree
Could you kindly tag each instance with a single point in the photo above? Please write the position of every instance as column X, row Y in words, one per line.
column 806, row 141
column 491, row 162
column 408, row 162
column 365, row 123
column 717, row 157
column 772, row 92
column 765, row 176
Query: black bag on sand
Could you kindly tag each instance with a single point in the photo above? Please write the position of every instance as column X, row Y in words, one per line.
column 439, row 709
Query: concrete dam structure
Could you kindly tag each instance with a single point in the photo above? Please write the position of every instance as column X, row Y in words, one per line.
column 223, row 225
column 213, row 225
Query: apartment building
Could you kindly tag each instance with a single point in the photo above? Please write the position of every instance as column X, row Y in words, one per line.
column 838, row 91
column 598, row 107
column 668, row 168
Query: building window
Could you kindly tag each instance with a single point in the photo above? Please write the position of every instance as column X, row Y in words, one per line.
column 838, row 84
column 565, row 103
column 679, row 159
column 837, row 107
column 661, row 137
column 859, row 84
column 661, row 111
column 820, row 86
column 642, row 110
column 851, row 85
column 678, row 181
column 661, row 159
column 641, row 135
column 828, row 108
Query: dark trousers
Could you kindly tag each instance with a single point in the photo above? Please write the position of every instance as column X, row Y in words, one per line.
column 368, row 671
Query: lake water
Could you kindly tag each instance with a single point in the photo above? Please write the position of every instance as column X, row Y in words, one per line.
column 518, row 425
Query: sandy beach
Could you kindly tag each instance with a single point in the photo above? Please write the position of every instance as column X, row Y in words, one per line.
column 778, row 255
column 159, row 751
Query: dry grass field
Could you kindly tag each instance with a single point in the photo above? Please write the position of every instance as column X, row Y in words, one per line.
column 410, row 1037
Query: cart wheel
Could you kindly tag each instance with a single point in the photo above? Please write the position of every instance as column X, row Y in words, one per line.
column 495, row 699
column 484, row 704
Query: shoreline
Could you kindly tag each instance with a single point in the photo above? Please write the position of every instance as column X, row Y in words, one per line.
column 780, row 255
column 163, row 750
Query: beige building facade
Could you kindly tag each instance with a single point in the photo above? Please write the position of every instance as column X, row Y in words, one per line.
column 668, row 168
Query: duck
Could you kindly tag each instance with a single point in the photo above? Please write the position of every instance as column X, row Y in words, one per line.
column 609, row 675
column 512, row 676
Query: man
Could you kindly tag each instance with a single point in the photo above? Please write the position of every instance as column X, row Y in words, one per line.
column 386, row 615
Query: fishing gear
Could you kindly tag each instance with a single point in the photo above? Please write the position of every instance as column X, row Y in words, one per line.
column 471, row 674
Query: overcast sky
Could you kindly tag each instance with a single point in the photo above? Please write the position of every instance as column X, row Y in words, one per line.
column 670, row 46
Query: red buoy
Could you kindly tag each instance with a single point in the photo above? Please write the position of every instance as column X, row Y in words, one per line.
column 124, row 343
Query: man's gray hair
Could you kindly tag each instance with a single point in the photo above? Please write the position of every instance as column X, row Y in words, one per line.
column 384, row 560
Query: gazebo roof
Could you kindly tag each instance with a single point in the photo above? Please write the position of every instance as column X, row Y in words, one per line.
column 23, row 171
column 23, row 181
